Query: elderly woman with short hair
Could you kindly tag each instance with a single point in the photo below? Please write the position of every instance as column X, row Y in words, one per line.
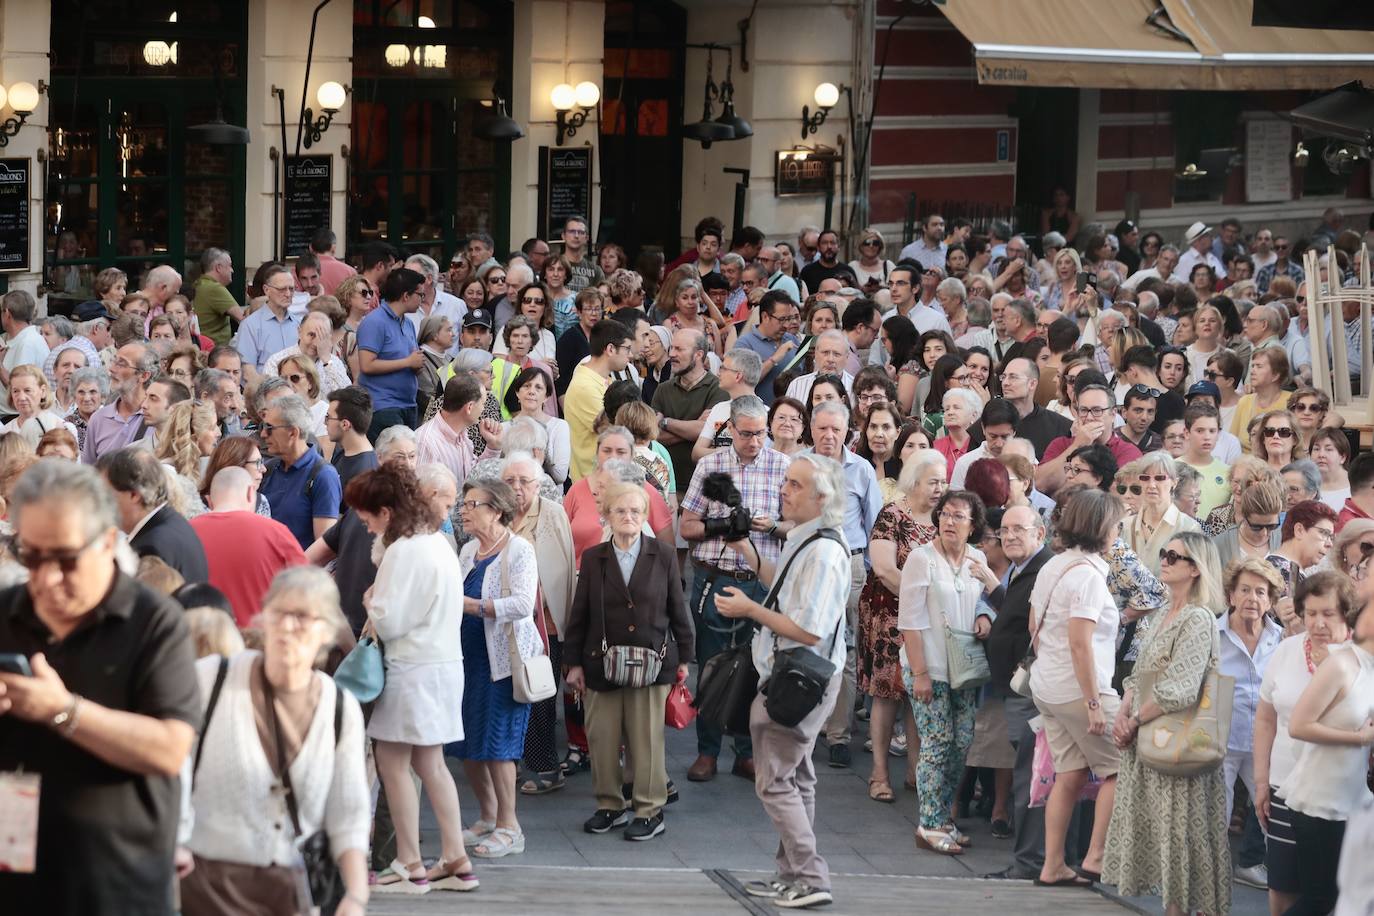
column 519, row 334
column 1328, row 607
column 628, row 594
column 479, row 364
column 1302, row 480
column 941, row 585
column 499, row 572
column 962, row 408
column 1157, row 519
column 435, row 338
column 415, row 609
column 1308, row 533
column 542, row 522
column 277, row 723
column 1168, row 834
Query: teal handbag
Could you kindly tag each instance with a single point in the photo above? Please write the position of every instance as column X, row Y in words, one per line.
column 362, row 672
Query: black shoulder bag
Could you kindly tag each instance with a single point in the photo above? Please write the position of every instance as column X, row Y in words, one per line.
column 800, row 675
column 321, row 871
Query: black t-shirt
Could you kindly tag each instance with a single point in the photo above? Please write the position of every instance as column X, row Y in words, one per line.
column 571, row 349
column 1041, row 428
column 105, row 835
column 350, row 466
column 812, row 274
column 353, row 570
column 1169, row 407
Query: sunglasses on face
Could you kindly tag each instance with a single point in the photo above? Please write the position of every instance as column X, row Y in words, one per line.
column 1279, row 432
column 295, row 378
column 1306, row 407
column 1157, row 478
column 1261, row 526
column 1210, row 376
column 532, row 300
column 1170, row 557
column 1134, row 489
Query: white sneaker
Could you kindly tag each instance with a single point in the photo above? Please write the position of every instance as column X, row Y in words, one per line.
column 1255, row 876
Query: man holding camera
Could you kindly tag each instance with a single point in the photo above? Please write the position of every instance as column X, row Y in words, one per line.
column 712, row 516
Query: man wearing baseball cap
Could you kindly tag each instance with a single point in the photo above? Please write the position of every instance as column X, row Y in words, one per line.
column 477, row 330
column 1226, row 448
column 1198, row 244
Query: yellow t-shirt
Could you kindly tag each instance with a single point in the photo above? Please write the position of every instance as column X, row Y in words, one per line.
column 1214, row 488
column 1247, row 410
column 582, row 404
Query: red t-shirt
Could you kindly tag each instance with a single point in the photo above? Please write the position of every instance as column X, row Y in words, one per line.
column 1123, row 451
column 245, row 551
column 585, row 519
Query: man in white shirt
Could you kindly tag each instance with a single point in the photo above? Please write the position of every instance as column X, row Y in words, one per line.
column 740, row 372
column 928, row 250
column 1198, row 241
column 999, row 427
column 832, row 349
column 1163, row 269
column 925, row 313
column 24, row 345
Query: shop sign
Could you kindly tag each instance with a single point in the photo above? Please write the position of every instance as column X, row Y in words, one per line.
column 14, row 214
column 308, row 198
column 565, row 187
column 804, row 171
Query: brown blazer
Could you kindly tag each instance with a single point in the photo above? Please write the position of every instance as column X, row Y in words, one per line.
column 641, row 613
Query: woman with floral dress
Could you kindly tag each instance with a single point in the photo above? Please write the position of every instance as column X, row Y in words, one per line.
column 901, row 526
column 1168, row 834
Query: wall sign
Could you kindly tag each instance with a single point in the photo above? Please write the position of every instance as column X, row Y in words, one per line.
column 309, row 182
column 565, row 187
column 14, row 214
column 804, row 171
column 1268, row 175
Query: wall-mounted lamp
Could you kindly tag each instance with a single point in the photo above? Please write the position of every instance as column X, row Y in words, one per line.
column 159, row 53
column 23, row 99
column 1301, row 155
column 564, row 97
column 827, row 96
column 331, row 97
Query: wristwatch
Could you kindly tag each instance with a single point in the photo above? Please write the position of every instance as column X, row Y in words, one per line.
column 1093, row 703
column 662, row 422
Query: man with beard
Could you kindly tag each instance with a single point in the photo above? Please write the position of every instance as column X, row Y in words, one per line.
column 684, row 401
column 114, row 425
column 828, row 264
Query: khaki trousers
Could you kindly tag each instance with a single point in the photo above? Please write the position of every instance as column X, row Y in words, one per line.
column 838, row 730
column 636, row 713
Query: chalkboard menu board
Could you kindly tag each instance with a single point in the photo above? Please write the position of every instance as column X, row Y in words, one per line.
column 14, row 214
column 308, row 180
column 565, row 187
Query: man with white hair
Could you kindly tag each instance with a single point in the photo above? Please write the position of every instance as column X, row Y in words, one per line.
column 810, row 584
column 315, row 340
column 1109, row 321
column 830, row 430
column 832, row 351
column 301, row 487
column 952, row 295
column 518, row 276
column 214, row 304
column 770, row 256
column 1163, row 269
column 732, row 269
column 244, row 550
column 160, row 284
column 434, row 301
column 271, row 328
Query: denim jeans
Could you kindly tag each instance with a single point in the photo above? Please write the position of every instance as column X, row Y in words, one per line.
column 391, row 416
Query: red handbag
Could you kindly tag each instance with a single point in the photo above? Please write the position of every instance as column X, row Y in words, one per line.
column 679, row 711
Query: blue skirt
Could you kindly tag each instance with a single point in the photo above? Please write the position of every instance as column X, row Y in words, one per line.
column 493, row 723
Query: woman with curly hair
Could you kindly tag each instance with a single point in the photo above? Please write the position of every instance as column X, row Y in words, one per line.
column 185, row 442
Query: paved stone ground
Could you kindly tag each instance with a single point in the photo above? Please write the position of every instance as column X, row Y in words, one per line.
column 719, row 828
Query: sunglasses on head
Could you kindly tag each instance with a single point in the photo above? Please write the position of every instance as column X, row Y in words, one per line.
column 1147, row 391
column 1170, row 557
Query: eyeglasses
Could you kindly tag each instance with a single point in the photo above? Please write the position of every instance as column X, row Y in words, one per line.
column 1170, row 557
column 1009, row 530
column 473, row 503
column 575, row 232
column 871, row 243
column 1011, row 377
column 1094, row 413
column 955, row 517
column 1261, row 526
column 66, row 560
column 1366, row 548
column 497, row 279
column 1278, row 432
column 520, row 481
column 961, row 378
column 750, row 434
column 277, row 289
column 627, row 511
column 1284, row 247
column 1327, row 534
column 295, row 378
column 293, row 619
column 1146, row 390
column 1157, row 478
column 871, row 397
column 1134, row 489
column 269, row 428
column 1073, row 470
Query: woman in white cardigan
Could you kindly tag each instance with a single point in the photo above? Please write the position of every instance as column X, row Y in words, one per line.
column 499, row 575
column 272, row 707
column 543, row 523
column 414, row 607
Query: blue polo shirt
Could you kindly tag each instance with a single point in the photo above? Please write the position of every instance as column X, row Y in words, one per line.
column 389, row 336
column 296, row 501
column 765, row 348
column 263, row 334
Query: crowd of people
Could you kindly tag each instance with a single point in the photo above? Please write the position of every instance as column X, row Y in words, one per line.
column 1027, row 505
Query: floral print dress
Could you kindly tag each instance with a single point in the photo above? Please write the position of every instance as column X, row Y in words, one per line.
column 880, row 643
column 1168, row 835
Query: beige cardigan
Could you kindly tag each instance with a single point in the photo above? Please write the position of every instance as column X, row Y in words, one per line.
column 553, row 546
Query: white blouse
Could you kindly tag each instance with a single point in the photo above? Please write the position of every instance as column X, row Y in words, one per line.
column 1285, row 678
column 934, row 593
column 240, row 812
column 416, row 602
column 545, row 347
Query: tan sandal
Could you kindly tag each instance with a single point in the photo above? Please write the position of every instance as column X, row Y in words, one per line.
column 880, row 791
column 937, row 842
column 452, row 876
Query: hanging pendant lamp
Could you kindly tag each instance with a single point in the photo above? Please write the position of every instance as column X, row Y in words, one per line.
column 728, row 117
column 708, row 130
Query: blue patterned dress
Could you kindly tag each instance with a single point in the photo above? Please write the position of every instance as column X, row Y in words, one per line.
column 493, row 723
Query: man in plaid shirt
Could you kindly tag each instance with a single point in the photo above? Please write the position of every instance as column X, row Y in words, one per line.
column 758, row 472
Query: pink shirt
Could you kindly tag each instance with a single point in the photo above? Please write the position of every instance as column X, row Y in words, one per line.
column 436, row 442
column 332, row 273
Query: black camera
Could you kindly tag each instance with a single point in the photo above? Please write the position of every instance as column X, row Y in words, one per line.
column 720, row 487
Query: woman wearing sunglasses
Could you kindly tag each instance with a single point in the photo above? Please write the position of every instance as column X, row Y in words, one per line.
column 1354, row 544
column 1310, row 406
column 1168, row 833
column 1126, row 485
column 1158, row 519
column 1276, row 438
column 357, row 296
column 1256, row 532
column 871, row 268
column 1245, row 471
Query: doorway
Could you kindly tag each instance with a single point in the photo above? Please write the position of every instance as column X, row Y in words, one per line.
column 1047, row 149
